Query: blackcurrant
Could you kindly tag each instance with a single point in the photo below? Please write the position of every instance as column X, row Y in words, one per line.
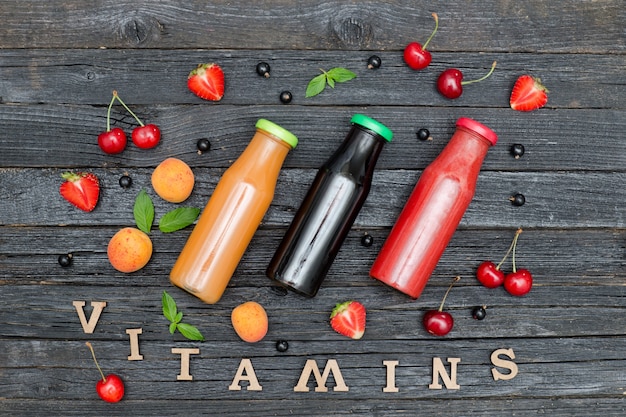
column 479, row 312
column 282, row 346
column 367, row 240
column 263, row 69
column 126, row 181
column 374, row 62
column 65, row 260
column 203, row 145
column 517, row 150
column 285, row 97
column 517, row 199
column 423, row 134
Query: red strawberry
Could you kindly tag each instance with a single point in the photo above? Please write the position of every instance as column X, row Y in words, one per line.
column 528, row 94
column 348, row 319
column 81, row 189
column 207, row 82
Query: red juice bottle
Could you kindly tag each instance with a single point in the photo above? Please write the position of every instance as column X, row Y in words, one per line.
column 329, row 209
column 433, row 210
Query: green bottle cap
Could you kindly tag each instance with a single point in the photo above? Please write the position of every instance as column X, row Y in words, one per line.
column 373, row 125
column 279, row 132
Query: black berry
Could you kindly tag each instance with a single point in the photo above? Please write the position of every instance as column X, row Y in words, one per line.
column 423, row 134
column 65, row 260
column 479, row 312
column 203, row 145
column 126, row 181
column 374, row 62
column 367, row 240
column 263, row 69
column 285, row 97
column 517, row 150
column 517, row 199
column 282, row 346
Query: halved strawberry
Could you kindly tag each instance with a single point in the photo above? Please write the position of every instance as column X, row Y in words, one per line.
column 207, row 82
column 81, row 189
column 528, row 94
column 348, row 319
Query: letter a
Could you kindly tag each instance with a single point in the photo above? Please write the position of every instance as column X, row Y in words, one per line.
column 320, row 379
column 98, row 306
column 510, row 365
column 440, row 370
column 245, row 365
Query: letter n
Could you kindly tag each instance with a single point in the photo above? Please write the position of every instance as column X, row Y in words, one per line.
column 320, row 379
column 440, row 371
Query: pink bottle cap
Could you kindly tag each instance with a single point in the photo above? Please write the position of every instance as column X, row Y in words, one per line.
column 479, row 128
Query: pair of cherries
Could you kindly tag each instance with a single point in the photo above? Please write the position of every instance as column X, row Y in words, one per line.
column 450, row 82
column 113, row 141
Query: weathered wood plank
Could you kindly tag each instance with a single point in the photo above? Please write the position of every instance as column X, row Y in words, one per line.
column 489, row 25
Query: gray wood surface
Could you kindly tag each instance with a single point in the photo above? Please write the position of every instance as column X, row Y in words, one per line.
column 60, row 61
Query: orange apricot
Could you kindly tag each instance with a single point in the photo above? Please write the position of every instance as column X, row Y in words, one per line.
column 173, row 180
column 129, row 250
column 250, row 321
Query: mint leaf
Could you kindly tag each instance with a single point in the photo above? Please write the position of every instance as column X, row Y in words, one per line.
column 169, row 307
column 143, row 211
column 178, row 219
column 189, row 331
column 178, row 317
column 173, row 327
column 316, row 85
column 340, row 75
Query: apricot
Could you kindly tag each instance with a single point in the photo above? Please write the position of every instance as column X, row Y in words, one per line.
column 250, row 321
column 173, row 180
column 129, row 250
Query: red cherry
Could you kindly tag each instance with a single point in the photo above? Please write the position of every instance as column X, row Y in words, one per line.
column 439, row 322
column 146, row 136
column 415, row 55
column 489, row 275
column 111, row 387
column 112, row 141
column 450, row 82
column 518, row 283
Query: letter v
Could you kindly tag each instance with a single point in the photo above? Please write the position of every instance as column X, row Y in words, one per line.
column 98, row 306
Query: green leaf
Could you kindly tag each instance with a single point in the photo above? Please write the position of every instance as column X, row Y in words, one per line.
column 178, row 317
column 189, row 331
column 330, row 81
column 143, row 211
column 178, row 219
column 316, row 85
column 173, row 327
column 169, row 307
column 340, row 75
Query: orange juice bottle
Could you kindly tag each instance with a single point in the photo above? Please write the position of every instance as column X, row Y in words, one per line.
column 233, row 214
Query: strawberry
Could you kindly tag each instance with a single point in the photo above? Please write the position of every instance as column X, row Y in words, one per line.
column 81, row 189
column 348, row 319
column 528, row 94
column 207, row 82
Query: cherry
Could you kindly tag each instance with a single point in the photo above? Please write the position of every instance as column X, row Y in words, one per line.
column 450, row 82
column 111, row 387
column 415, row 55
column 113, row 140
column 519, row 282
column 439, row 322
column 143, row 136
column 489, row 274
column 374, row 62
column 263, row 69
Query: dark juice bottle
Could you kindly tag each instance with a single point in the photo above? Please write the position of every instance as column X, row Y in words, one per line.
column 434, row 210
column 329, row 209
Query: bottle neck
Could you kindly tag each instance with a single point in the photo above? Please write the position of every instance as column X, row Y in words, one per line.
column 466, row 150
column 358, row 153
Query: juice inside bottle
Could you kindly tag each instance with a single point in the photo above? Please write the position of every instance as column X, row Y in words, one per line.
column 232, row 215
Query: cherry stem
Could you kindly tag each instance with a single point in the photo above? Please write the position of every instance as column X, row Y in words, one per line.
column 517, row 233
column 514, row 246
column 109, row 111
column 96, row 361
column 115, row 96
column 493, row 67
column 434, row 31
column 446, row 294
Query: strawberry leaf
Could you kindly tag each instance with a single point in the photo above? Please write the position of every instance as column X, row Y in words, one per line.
column 340, row 75
column 316, row 85
column 178, row 219
column 143, row 211
column 169, row 307
column 189, row 331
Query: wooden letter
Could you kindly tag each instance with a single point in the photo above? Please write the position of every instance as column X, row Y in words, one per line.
column 98, row 306
column 134, row 344
column 311, row 366
column 253, row 383
column 440, row 370
column 510, row 365
column 184, row 362
column 391, row 376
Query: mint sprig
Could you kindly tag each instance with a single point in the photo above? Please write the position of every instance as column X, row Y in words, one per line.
column 170, row 311
column 143, row 211
column 330, row 77
column 178, row 219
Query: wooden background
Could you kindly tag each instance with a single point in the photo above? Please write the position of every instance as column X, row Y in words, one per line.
column 59, row 62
